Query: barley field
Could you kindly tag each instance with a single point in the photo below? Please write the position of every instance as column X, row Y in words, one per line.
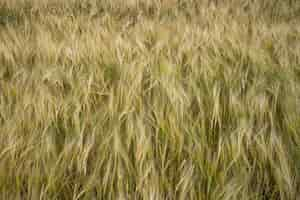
column 150, row 99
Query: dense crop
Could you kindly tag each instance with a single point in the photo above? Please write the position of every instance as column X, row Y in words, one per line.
column 142, row 99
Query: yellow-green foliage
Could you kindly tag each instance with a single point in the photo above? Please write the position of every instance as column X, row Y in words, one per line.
column 150, row 99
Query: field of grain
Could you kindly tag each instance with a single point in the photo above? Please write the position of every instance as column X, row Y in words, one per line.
column 150, row 99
